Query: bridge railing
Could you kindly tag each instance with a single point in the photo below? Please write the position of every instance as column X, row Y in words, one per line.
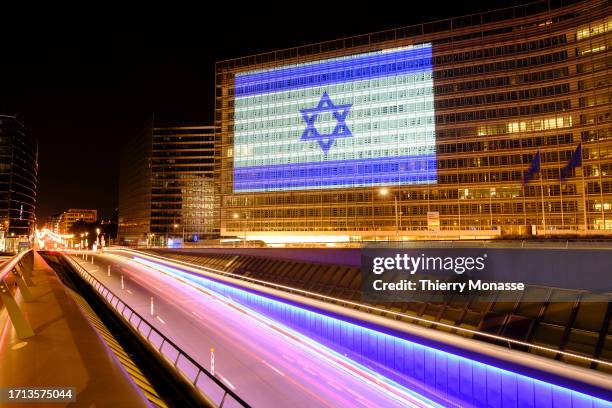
column 603, row 242
column 7, row 266
column 19, row 267
column 202, row 379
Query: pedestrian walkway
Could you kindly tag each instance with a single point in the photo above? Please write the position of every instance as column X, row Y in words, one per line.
column 66, row 350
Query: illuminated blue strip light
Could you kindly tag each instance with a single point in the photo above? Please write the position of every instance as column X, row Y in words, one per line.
column 334, row 72
column 338, row 173
column 460, row 380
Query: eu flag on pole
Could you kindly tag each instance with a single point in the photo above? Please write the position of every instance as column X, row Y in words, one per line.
column 533, row 168
column 575, row 161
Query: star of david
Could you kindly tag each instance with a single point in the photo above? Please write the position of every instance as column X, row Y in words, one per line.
column 339, row 112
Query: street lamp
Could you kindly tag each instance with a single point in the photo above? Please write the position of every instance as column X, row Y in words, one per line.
column 236, row 216
column 183, row 235
column 383, row 192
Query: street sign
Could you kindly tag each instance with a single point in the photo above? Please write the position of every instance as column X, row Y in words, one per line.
column 433, row 221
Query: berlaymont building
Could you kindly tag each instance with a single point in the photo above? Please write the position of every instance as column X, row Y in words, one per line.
column 489, row 125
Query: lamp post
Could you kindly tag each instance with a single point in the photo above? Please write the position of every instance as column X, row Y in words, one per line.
column 183, row 234
column 98, row 237
column 86, row 241
column 383, row 192
column 236, row 216
column 246, row 226
column 82, row 235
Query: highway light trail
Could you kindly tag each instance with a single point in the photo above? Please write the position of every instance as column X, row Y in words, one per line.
column 485, row 381
column 391, row 388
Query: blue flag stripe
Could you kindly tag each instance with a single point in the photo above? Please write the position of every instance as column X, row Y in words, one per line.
column 335, row 174
column 332, row 72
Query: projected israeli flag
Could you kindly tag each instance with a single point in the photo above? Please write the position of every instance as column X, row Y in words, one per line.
column 356, row 121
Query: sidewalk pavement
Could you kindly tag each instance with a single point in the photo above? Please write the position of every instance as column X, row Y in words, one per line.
column 65, row 352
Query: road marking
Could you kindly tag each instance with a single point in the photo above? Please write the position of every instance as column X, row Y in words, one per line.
column 356, row 395
column 334, row 385
column 190, row 284
column 130, row 292
column 279, row 372
column 286, row 357
column 229, row 384
column 196, row 315
column 310, row 371
column 363, row 402
column 160, row 319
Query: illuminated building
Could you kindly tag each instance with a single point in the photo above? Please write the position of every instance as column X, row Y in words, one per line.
column 18, row 178
column 53, row 224
column 183, row 197
column 180, row 202
column 423, row 131
column 69, row 217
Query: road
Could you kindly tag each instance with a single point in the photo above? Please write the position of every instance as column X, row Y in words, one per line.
column 261, row 362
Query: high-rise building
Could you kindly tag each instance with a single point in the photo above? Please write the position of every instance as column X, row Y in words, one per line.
column 183, row 196
column 72, row 215
column 134, row 213
column 173, row 197
column 18, row 178
column 55, row 223
column 426, row 131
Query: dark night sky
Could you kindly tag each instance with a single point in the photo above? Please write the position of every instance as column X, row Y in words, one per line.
column 83, row 84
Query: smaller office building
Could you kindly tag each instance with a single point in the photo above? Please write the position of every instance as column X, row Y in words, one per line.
column 167, row 193
column 72, row 215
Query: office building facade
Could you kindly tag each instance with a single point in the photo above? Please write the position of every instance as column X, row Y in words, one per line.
column 72, row 215
column 168, row 194
column 134, row 212
column 425, row 131
column 18, row 178
column 184, row 200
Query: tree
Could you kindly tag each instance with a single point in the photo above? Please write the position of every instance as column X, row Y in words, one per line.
column 82, row 227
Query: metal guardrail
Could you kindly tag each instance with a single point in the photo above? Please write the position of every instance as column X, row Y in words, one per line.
column 209, row 385
column 7, row 266
column 535, row 243
column 20, row 267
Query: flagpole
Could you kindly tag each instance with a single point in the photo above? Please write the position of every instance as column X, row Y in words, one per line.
column 601, row 199
column 535, row 167
column 542, row 196
column 561, row 194
column 584, row 202
column 524, row 208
